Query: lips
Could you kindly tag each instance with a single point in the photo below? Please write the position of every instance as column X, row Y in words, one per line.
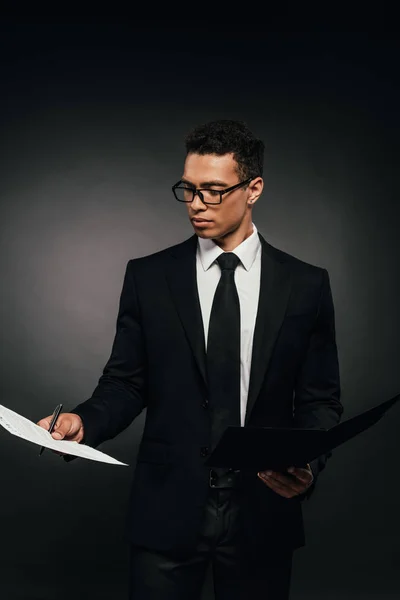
column 201, row 220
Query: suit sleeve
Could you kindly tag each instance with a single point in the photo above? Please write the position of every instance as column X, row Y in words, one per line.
column 120, row 395
column 317, row 390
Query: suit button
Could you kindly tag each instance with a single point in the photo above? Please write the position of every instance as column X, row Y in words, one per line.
column 205, row 403
column 204, row 450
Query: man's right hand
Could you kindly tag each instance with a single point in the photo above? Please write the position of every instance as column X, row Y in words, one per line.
column 69, row 427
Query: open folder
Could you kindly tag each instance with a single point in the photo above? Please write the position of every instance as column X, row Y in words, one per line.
column 277, row 448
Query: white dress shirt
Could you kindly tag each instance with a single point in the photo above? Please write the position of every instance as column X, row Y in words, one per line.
column 247, row 280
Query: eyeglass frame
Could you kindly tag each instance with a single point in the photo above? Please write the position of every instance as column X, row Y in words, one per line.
column 200, row 195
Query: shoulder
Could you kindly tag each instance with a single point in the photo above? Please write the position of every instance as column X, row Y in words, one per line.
column 160, row 258
column 299, row 269
column 308, row 281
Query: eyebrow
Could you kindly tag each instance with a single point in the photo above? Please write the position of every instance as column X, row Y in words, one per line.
column 214, row 183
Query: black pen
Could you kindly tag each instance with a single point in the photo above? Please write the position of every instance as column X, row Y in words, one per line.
column 56, row 412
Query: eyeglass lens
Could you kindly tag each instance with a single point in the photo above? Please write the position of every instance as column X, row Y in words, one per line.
column 186, row 194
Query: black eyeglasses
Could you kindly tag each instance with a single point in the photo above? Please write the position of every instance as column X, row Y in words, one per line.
column 183, row 192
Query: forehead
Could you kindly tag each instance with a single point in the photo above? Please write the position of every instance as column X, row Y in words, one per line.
column 207, row 167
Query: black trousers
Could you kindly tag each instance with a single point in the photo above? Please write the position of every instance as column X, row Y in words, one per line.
column 154, row 576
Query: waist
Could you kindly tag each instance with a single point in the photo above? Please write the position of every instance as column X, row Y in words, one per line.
column 224, row 478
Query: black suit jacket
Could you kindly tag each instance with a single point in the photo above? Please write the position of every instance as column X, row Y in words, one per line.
column 158, row 361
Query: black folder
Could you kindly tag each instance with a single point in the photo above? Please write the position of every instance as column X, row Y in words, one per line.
column 277, row 448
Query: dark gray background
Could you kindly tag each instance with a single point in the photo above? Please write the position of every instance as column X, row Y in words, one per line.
column 92, row 125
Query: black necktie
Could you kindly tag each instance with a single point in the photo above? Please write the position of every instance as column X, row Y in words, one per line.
column 223, row 350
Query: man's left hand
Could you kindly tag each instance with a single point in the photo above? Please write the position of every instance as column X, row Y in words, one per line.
column 296, row 482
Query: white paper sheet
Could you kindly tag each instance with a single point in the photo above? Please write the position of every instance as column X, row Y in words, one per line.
column 24, row 428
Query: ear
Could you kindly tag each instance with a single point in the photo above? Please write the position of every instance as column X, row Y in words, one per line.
column 255, row 190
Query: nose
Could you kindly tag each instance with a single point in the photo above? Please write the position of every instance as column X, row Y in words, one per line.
column 197, row 203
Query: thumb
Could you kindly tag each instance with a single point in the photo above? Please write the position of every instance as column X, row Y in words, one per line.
column 57, row 432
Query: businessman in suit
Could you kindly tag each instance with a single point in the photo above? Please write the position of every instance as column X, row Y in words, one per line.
column 219, row 330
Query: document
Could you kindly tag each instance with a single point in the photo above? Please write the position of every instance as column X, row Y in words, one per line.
column 27, row 430
column 277, row 448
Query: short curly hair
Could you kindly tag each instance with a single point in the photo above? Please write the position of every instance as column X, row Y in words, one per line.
column 226, row 136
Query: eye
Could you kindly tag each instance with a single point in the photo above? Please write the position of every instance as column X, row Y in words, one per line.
column 213, row 192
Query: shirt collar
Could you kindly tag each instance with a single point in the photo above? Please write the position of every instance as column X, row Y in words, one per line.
column 246, row 251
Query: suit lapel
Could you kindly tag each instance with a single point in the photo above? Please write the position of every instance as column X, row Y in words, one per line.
column 273, row 299
column 182, row 282
column 275, row 288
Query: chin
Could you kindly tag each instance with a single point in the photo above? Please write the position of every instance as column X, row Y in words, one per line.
column 205, row 234
column 201, row 232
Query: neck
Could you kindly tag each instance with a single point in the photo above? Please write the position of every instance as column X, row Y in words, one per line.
column 231, row 240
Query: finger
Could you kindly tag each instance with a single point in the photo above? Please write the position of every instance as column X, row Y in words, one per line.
column 62, row 429
column 58, row 433
column 45, row 423
column 278, row 476
column 302, row 474
column 288, row 483
column 282, row 482
column 276, row 486
column 288, row 491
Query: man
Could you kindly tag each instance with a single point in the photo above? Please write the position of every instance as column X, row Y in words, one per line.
column 221, row 329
